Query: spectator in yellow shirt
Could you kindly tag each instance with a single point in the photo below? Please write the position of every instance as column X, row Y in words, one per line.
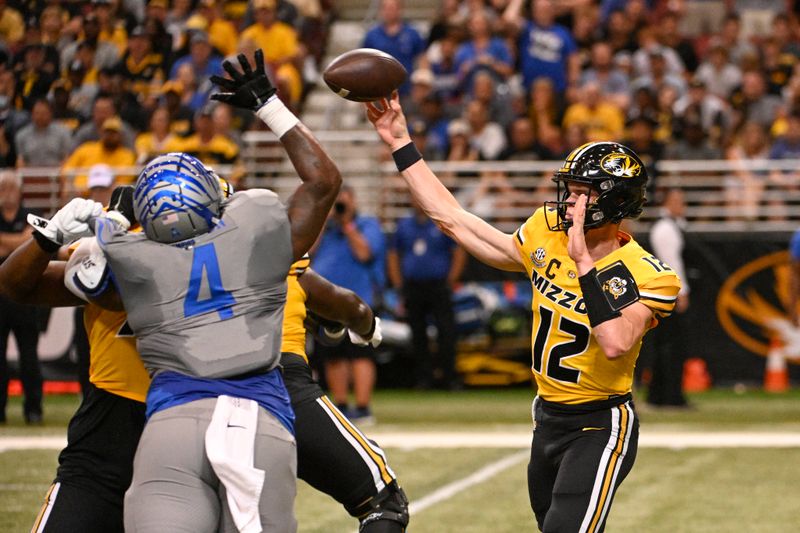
column 221, row 33
column 602, row 120
column 155, row 142
column 112, row 29
column 108, row 150
column 206, row 144
column 281, row 50
column 12, row 26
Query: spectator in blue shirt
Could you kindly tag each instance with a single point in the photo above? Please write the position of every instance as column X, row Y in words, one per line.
column 546, row 49
column 787, row 146
column 482, row 53
column 396, row 37
column 351, row 254
column 424, row 263
column 204, row 63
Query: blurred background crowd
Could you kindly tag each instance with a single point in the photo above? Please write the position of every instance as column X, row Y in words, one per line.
column 120, row 81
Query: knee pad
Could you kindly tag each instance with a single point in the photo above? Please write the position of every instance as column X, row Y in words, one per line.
column 386, row 512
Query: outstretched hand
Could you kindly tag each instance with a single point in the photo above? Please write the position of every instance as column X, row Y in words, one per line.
column 248, row 89
column 389, row 121
column 576, row 247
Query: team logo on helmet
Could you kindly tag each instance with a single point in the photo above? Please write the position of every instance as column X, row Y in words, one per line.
column 620, row 165
column 538, row 257
column 616, row 286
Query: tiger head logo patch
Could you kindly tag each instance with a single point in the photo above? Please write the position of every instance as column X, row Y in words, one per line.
column 621, row 165
column 616, row 286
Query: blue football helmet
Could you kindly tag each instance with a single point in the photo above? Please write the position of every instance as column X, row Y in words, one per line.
column 176, row 198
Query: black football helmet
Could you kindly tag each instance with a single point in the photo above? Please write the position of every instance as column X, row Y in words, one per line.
column 614, row 171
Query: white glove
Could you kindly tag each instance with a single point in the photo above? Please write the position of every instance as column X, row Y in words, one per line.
column 70, row 223
column 373, row 341
column 87, row 273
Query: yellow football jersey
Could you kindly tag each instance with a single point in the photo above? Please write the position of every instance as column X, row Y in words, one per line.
column 294, row 314
column 568, row 363
column 114, row 363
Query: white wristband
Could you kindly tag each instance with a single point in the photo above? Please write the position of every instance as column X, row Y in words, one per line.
column 276, row 115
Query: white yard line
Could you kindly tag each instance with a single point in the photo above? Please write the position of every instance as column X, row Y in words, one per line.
column 451, row 489
column 508, row 439
column 33, row 443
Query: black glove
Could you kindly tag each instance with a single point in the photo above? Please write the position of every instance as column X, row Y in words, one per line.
column 122, row 202
column 248, row 89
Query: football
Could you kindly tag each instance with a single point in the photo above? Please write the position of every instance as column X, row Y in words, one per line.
column 364, row 75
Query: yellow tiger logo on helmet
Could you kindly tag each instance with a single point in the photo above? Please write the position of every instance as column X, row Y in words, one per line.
column 620, row 165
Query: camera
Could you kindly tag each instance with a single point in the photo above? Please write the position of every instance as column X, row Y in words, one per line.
column 339, row 208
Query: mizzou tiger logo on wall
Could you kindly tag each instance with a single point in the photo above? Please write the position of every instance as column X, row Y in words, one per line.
column 753, row 298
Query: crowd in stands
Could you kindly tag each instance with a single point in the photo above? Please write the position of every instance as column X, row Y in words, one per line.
column 672, row 79
column 120, row 81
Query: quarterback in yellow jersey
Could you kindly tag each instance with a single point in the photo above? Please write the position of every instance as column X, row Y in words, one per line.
column 333, row 456
column 595, row 294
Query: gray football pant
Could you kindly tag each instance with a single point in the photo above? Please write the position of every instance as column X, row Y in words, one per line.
column 174, row 488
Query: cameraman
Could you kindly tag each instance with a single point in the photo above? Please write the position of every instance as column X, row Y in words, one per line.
column 351, row 254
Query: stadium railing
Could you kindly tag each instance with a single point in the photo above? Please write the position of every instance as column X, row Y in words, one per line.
column 725, row 196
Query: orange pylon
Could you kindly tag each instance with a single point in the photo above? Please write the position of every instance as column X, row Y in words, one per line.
column 776, row 373
column 695, row 375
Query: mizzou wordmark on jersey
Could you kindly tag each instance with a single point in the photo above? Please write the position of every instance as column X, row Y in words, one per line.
column 568, row 363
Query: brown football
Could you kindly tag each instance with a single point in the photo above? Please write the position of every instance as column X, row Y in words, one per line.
column 364, row 75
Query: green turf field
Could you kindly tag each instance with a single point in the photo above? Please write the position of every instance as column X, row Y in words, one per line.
column 669, row 490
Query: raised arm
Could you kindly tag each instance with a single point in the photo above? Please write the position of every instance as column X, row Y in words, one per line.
column 476, row 236
column 309, row 205
column 313, row 199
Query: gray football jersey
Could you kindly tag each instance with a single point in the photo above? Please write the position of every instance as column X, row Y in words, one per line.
column 213, row 306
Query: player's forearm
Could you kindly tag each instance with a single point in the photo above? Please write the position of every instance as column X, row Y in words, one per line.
column 338, row 305
column 22, row 271
column 313, row 199
column 475, row 235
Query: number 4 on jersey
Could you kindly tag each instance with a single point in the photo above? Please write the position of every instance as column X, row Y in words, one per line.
column 205, row 260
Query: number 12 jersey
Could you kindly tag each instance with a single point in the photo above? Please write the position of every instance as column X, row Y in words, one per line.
column 568, row 364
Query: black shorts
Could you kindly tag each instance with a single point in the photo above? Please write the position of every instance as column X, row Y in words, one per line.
column 579, row 457
column 96, row 467
column 333, row 456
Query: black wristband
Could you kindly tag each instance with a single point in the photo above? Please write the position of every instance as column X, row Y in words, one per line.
column 45, row 244
column 597, row 307
column 406, row 156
